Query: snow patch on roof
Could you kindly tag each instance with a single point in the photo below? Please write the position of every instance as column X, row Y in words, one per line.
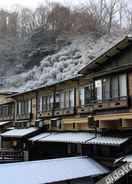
column 48, row 171
column 19, row 132
column 83, row 138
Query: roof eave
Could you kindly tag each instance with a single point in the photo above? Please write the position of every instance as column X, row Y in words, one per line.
column 106, row 55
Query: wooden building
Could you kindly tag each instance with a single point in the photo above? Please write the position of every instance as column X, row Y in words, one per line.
column 100, row 104
column 23, row 127
column 111, row 74
column 87, row 115
column 7, row 110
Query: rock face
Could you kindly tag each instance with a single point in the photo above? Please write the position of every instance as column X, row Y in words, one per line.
column 44, row 58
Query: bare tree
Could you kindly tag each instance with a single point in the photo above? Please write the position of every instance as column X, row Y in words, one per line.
column 112, row 9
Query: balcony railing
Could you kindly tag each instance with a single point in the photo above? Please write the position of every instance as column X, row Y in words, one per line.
column 56, row 111
column 24, row 116
column 6, row 117
column 64, row 111
column 11, row 156
column 89, row 108
column 113, row 103
column 48, row 113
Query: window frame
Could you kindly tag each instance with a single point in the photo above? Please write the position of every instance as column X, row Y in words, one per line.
column 82, row 94
column 110, row 87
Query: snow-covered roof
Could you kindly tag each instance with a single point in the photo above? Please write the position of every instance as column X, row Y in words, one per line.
column 19, row 132
column 110, row 52
column 40, row 136
column 49, row 171
column 128, row 158
column 69, row 137
column 46, row 86
column 4, row 123
column 104, row 140
column 75, row 137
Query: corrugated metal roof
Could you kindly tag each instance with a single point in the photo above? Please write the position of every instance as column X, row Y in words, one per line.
column 49, row 171
column 19, row 132
column 104, row 140
column 68, row 137
column 128, row 158
column 82, row 138
column 40, row 136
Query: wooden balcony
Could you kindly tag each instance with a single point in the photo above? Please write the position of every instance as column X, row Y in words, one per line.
column 85, row 109
column 45, row 114
column 7, row 118
column 64, row 111
column 58, row 112
column 27, row 116
column 111, row 104
column 69, row 111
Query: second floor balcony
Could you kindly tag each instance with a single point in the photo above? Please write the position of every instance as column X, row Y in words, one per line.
column 8, row 117
column 113, row 103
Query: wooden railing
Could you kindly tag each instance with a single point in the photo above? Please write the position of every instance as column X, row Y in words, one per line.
column 6, row 118
column 10, row 155
column 24, row 116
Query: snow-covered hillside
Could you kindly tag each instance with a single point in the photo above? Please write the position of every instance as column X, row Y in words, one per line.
column 62, row 65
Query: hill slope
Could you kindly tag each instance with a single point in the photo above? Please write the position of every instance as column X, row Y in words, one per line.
column 61, row 63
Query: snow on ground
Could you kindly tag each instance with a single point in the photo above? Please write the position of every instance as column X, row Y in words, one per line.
column 64, row 64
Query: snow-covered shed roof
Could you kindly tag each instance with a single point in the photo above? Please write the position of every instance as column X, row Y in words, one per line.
column 82, row 138
column 127, row 158
column 39, row 136
column 4, row 123
column 104, row 140
column 19, row 132
column 68, row 137
column 49, row 171
column 115, row 49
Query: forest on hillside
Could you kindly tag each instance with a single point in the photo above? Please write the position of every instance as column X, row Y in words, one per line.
column 48, row 40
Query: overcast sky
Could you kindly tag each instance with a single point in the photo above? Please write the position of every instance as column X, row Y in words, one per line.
column 31, row 3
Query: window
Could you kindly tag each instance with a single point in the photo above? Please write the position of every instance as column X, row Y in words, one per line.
column 62, row 100
column 19, row 107
column 56, row 123
column 82, row 96
column 98, row 87
column 69, row 98
column 86, row 94
column 123, row 85
column 5, row 110
column 40, row 103
column 59, row 100
column 24, row 107
column 111, row 87
column 106, row 88
column 114, row 87
column 10, row 109
column 44, row 104
column 29, row 106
